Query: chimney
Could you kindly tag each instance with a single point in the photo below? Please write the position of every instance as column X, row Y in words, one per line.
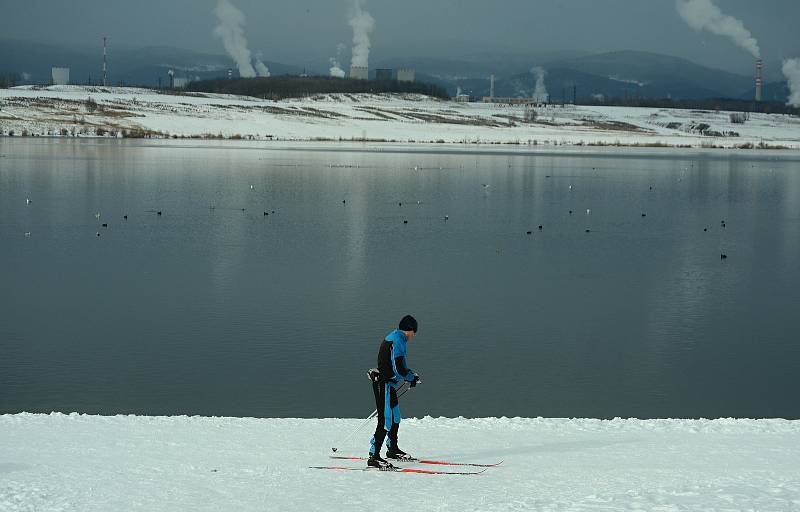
column 759, row 78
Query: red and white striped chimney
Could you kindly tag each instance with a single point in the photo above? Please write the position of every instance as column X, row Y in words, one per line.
column 759, row 78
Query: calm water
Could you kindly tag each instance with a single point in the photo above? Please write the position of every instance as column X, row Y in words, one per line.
column 229, row 312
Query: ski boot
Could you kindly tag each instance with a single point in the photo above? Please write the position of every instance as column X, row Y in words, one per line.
column 398, row 454
column 375, row 461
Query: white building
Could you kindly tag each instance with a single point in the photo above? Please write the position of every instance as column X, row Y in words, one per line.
column 60, row 76
column 180, row 83
column 359, row 72
column 406, row 75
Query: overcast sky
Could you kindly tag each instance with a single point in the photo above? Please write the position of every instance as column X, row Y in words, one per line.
column 302, row 31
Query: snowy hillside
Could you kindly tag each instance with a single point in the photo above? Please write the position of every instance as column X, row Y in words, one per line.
column 90, row 463
column 88, row 111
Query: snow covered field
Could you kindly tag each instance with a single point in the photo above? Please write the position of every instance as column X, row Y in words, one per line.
column 65, row 111
column 91, row 463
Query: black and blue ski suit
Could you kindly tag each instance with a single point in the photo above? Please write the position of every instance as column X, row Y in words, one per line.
column 393, row 371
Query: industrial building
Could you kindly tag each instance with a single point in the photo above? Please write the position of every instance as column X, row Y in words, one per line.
column 406, row 75
column 60, row 76
column 383, row 74
column 180, row 83
column 359, row 72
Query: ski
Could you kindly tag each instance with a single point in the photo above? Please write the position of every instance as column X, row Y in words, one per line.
column 426, row 461
column 401, row 470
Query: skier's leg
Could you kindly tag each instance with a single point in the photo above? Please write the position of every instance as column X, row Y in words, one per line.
column 393, row 428
column 379, row 390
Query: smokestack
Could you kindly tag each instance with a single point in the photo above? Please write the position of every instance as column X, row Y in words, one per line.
column 759, row 78
column 491, row 86
column 105, row 72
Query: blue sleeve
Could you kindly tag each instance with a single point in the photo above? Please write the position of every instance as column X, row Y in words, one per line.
column 399, row 363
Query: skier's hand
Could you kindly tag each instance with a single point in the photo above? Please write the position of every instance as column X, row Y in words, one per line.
column 416, row 380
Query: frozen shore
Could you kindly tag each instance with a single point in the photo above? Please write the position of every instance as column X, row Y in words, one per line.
column 92, row 463
column 74, row 111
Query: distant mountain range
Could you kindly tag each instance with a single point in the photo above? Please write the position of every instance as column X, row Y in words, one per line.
column 623, row 74
column 141, row 66
column 609, row 75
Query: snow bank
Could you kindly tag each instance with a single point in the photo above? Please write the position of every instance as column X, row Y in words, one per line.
column 91, row 463
column 79, row 111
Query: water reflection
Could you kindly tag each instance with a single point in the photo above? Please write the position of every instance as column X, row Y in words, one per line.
column 230, row 311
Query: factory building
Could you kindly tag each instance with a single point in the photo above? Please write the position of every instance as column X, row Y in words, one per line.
column 180, row 83
column 359, row 72
column 60, row 76
column 383, row 74
column 406, row 75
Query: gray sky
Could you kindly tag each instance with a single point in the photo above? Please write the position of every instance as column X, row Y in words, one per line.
column 301, row 31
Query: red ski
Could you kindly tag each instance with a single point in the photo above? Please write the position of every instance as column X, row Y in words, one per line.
column 426, row 461
column 400, row 470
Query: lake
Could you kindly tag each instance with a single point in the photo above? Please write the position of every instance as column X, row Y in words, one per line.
column 266, row 283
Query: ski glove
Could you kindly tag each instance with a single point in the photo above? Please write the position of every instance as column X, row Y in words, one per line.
column 416, row 380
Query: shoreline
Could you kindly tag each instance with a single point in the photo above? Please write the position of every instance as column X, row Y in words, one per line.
column 83, row 112
column 397, row 147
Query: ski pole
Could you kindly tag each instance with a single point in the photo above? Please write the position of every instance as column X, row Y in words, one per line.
column 370, row 417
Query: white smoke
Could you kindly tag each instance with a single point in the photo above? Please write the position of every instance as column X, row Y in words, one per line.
column 231, row 31
column 363, row 24
column 261, row 69
column 791, row 69
column 704, row 15
column 540, row 94
column 336, row 68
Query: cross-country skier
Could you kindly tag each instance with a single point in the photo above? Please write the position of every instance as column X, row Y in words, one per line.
column 392, row 371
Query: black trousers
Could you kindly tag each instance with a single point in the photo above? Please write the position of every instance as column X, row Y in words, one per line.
column 388, row 417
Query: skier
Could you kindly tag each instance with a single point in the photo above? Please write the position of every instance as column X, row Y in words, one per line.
column 391, row 373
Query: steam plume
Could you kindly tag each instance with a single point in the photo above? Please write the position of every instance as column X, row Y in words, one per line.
column 261, row 68
column 231, row 31
column 336, row 68
column 363, row 24
column 791, row 69
column 540, row 94
column 704, row 15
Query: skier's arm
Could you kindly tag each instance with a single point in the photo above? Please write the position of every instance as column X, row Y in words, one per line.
column 400, row 369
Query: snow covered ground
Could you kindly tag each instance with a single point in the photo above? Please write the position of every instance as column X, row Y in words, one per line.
column 64, row 110
column 89, row 463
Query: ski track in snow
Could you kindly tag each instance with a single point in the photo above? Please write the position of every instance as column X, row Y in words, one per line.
column 76, row 462
column 385, row 118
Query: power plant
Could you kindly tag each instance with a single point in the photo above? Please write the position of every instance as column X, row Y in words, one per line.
column 359, row 72
column 406, row 75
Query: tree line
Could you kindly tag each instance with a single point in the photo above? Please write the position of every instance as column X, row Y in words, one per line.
column 727, row 104
column 288, row 86
column 9, row 79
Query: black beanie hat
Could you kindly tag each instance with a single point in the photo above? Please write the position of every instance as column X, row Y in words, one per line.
column 408, row 323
